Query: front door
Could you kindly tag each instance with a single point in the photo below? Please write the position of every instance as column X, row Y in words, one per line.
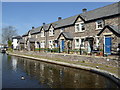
column 62, row 46
column 108, row 45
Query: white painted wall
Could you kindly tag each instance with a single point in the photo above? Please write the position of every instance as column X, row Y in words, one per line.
column 14, row 43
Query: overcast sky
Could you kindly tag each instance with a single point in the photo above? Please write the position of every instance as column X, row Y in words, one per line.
column 24, row 15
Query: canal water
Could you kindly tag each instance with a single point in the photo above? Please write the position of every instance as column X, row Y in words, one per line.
column 45, row 75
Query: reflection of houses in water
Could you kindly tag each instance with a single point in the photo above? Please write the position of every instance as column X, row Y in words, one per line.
column 14, row 63
column 56, row 76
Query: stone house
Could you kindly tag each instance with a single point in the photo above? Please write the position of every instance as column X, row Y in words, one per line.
column 86, row 31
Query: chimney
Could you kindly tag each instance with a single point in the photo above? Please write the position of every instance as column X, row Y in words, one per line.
column 33, row 27
column 43, row 23
column 59, row 18
column 84, row 10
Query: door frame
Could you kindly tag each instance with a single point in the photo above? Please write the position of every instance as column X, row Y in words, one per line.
column 104, row 44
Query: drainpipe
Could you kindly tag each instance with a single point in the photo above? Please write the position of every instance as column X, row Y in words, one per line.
column 80, row 50
column 103, row 50
column 39, row 47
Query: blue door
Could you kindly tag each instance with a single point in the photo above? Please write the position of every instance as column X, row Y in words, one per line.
column 62, row 46
column 108, row 45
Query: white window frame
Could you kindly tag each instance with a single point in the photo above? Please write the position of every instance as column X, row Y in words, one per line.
column 83, row 42
column 51, row 44
column 77, row 47
column 80, row 27
column 42, row 33
column 42, row 44
column 102, row 22
column 51, row 32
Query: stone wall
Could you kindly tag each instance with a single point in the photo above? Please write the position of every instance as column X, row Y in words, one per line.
column 90, row 30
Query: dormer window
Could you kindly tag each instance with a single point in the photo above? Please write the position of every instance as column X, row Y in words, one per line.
column 99, row 24
column 79, row 27
column 51, row 32
column 42, row 33
column 29, row 35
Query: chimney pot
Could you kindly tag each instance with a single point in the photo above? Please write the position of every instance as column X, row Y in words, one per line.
column 59, row 18
column 84, row 10
column 43, row 23
column 33, row 27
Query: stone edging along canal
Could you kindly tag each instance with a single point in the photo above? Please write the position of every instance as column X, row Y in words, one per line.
column 107, row 74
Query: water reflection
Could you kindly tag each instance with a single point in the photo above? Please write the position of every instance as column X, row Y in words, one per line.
column 55, row 76
column 14, row 63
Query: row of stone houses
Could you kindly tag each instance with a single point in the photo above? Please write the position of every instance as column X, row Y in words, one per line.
column 90, row 30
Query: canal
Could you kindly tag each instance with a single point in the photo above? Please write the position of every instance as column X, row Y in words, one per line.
column 45, row 75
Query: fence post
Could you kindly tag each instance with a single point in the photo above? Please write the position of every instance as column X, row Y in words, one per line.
column 103, row 50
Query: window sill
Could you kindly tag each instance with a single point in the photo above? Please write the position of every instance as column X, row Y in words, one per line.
column 80, row 32
column 51, row 35
column 82, row 47
column 77, row 47
column 98, row 28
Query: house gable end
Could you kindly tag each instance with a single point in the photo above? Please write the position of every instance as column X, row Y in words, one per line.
column 108, row 30
column 79, row 19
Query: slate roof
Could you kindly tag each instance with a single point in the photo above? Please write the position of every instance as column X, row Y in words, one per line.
column 32, row 39
column 67, row 35
column 25, row 34
column 105, row 11
column 21, row 41
column 65, row 22
column 36, row 30
column 17, row 37
column 102, row 12
column 112, row 28
column 115, row 28
column 46, row 27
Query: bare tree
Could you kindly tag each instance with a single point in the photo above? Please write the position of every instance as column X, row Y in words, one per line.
column 7, row 33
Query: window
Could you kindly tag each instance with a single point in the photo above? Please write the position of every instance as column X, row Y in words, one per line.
column 51, row 44
column 42, row 33
column 99, row 24
column 79, row 27
column 82, row 26
column 82, row 42
column 77, row 42
column 51, row 32
column 42, row 45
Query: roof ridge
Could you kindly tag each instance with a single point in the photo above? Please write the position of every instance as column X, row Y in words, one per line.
column 102, row 7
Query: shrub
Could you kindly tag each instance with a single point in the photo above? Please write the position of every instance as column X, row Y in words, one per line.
column 10, row 49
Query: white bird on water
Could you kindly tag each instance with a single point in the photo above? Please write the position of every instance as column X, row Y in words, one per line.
column 22, row 78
